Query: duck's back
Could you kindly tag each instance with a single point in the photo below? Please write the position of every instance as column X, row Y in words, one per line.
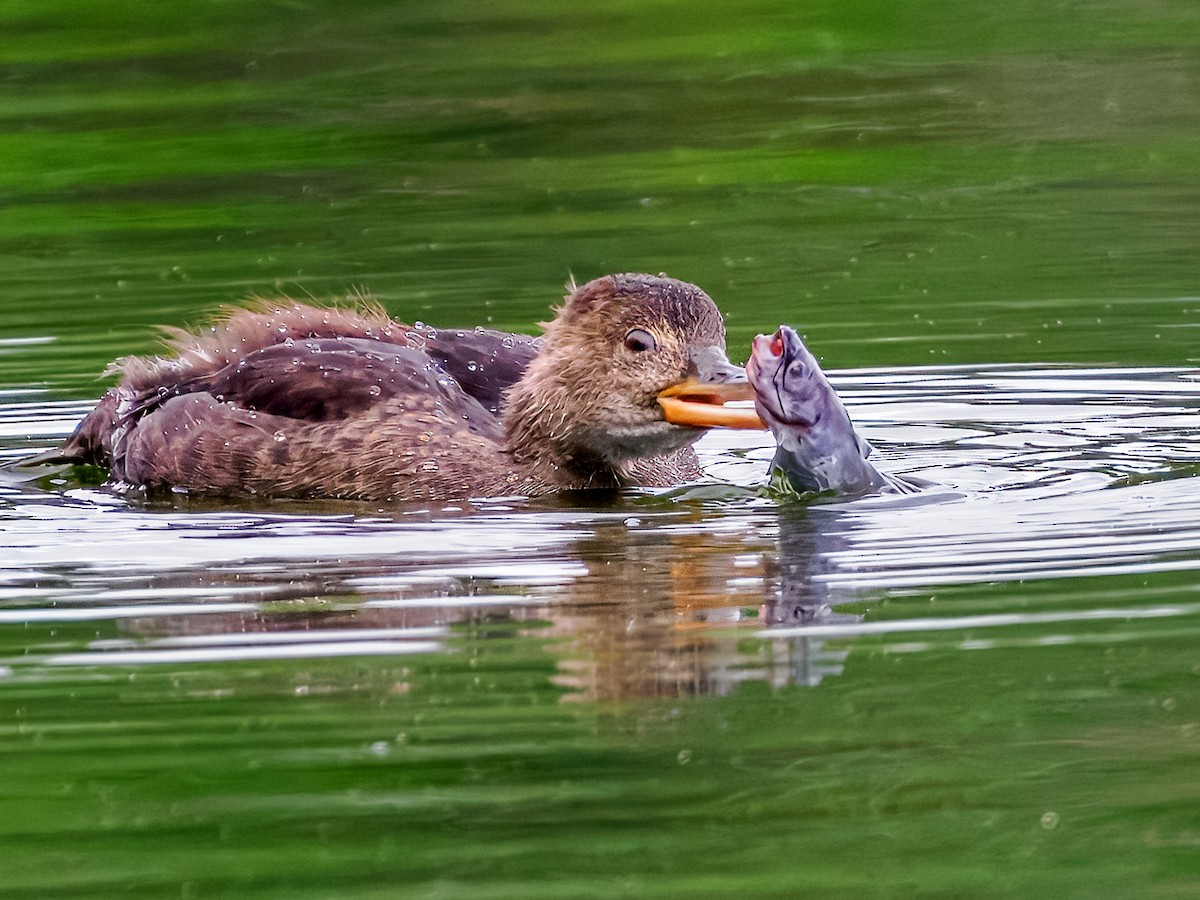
column 293, row 400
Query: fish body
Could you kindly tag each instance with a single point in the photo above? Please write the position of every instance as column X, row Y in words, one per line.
column 817, row 449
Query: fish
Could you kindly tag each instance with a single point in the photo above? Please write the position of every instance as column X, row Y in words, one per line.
column 817, row 449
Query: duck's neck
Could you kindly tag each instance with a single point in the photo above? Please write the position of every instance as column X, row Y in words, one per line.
column 541, row 437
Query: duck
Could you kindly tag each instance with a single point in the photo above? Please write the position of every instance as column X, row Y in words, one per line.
column 287, row 399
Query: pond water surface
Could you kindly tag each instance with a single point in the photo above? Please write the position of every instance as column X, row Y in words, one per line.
column 985, row 221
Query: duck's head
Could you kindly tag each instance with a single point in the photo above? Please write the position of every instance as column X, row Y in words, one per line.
column 614, row 348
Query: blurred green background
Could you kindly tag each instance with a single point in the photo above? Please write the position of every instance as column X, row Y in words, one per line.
column 909, row 183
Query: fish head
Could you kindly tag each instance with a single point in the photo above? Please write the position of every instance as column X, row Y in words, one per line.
column 790, row 390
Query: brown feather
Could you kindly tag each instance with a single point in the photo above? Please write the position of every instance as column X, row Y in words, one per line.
column 286, row 399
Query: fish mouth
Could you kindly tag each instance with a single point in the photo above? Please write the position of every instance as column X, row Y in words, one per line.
column 702, row 405
column 766, row 370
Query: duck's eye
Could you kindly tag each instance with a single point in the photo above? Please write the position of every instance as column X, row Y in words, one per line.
column 639, row 341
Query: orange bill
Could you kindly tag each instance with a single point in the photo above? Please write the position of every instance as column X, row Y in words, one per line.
column 703, row 405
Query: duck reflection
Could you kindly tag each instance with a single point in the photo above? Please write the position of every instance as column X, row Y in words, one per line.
column 644, row 605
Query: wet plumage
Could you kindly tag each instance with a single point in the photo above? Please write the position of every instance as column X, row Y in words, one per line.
column 290, row 400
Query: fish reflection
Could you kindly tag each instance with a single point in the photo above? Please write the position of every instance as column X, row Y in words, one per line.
column 659, row 613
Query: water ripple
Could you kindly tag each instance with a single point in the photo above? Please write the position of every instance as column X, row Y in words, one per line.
column 1035, row 474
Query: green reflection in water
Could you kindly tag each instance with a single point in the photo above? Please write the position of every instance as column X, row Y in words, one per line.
column 1035, row 770
column 909, row 183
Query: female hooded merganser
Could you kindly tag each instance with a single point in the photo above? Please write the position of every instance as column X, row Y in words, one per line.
column 290, row 400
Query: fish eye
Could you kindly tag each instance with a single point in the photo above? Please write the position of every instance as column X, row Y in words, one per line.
column 639, row 341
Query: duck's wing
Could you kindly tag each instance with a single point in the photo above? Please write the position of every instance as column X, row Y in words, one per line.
column 308, row 381
column 322, row 379
column 329, row 380
column 326, row 378
column 321, row 417
column 485, row 362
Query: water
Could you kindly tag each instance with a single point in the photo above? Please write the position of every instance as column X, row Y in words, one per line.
column 983, row 220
